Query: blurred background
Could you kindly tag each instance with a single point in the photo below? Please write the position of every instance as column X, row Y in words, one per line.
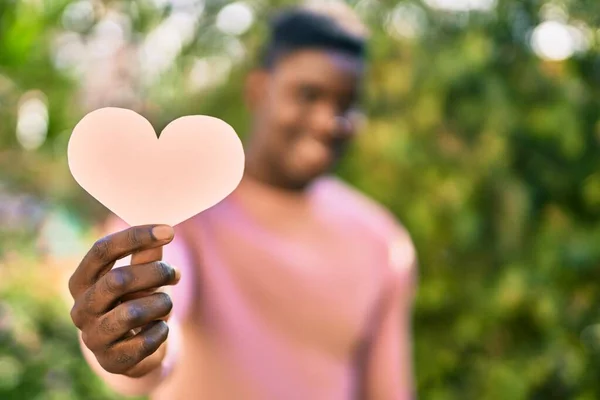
column 483, row 135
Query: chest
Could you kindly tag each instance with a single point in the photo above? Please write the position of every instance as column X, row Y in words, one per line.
column 313, row 287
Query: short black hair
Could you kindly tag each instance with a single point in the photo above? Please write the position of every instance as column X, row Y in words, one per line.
column 295, row 29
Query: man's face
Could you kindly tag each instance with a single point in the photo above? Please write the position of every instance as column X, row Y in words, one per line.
column 303, row 117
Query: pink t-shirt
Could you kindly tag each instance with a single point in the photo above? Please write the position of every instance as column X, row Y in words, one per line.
column 288, row 298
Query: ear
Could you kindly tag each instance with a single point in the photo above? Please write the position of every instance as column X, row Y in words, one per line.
column 255, row 88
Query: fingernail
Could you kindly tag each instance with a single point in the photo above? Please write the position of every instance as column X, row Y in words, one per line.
column 177, row 273
column 162, row 232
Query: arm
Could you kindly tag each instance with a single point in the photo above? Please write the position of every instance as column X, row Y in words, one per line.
column 389, row 374
column 176, row 254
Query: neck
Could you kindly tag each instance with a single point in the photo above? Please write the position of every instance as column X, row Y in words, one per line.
column 261, row 174
column 257, row 183
column 265, row 200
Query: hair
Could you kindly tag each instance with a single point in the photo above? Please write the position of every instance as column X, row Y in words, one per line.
column 327, row 25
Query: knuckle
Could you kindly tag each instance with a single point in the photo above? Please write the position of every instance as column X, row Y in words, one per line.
column 134, row 238
column 76, row 316
column 118, row 280
column 89, row 297
column 133, row 313
column 123, row 361
column 106, row 326
column 116, row 362
column 90, row 340
column 101, row 249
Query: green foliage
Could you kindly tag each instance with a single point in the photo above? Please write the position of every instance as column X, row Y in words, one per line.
column 486, row 153
column 40, row 357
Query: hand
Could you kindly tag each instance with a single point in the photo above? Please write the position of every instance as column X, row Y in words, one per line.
column 119, row 312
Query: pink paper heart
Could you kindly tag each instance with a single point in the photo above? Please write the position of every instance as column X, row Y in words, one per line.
column 115, row 155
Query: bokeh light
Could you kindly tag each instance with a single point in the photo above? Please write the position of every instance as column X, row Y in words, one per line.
column 406, row 20
column 164, row 43
column 209, row 72
column 462, row 5
column 78, row 16
column 557, row 41
column 32, row 122
column 235, row 18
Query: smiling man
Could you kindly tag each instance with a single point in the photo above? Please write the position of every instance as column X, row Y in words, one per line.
column 295, row 286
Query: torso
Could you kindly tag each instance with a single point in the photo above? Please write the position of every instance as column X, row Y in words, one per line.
column 282, row 295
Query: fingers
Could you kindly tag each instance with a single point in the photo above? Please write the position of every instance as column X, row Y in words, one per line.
column 117, row 323
column 129, row 353
column 119, row 312
column 149, row 363
column 148, row 292
column 106, row 251
column 122, row 283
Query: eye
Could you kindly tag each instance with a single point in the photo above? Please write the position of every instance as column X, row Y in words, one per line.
column 308, row 94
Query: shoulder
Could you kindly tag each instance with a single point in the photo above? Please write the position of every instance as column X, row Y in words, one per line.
column 376, row 220
column 348, row 202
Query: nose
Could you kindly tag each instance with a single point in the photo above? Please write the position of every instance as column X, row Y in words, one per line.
column 328, row 124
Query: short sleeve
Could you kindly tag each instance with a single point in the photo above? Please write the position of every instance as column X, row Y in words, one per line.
column 403, row 263
column 389, row 363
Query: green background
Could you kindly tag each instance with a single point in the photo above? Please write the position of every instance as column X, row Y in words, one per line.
column 487, row 153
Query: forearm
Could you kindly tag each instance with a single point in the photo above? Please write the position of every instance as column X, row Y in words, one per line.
column 146, row 384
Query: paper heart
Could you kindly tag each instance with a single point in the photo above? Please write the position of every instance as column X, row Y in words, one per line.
column 115, row 155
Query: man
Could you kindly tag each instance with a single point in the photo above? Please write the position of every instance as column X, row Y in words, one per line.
column 293, row 287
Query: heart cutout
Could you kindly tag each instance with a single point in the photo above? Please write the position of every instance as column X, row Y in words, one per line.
column 115, row 156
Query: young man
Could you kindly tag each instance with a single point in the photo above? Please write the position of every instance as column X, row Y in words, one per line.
column 294, row 287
